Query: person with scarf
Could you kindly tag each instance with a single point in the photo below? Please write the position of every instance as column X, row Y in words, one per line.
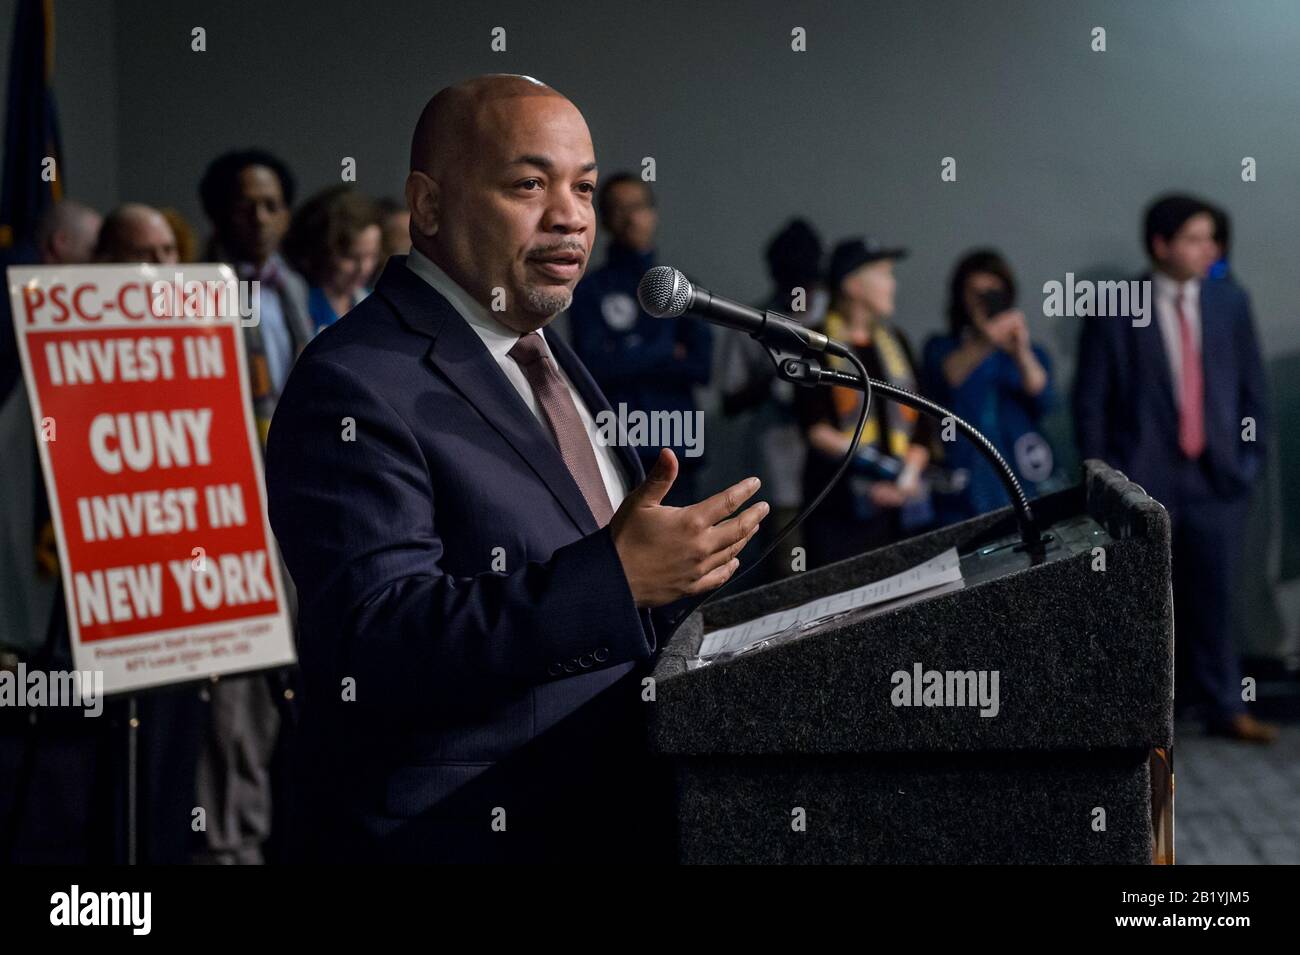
column 882, row 497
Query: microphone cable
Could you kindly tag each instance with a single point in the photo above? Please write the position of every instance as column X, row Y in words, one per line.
column 799, row 518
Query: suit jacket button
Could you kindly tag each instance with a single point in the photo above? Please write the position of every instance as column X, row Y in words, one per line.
column 571, row 666
column 555, row 669
column 585, row 661
column 602, row 654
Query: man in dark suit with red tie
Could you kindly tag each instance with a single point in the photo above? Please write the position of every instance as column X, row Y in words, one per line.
column 475, row 567
column 1177, row 400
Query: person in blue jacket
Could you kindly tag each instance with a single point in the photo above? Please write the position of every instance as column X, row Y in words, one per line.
column 987, row 371
column 644, row 365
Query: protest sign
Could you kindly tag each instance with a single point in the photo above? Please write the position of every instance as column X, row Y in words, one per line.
column 137, row 381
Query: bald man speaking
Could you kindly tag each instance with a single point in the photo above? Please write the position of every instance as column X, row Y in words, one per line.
column 475, row 569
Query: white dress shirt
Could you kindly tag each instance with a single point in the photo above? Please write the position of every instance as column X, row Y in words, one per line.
column 498, row 340
column 1167, row 293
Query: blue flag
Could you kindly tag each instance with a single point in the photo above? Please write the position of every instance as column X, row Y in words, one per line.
column 31, row 184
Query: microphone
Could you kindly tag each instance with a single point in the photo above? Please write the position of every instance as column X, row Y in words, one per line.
column 664, row 292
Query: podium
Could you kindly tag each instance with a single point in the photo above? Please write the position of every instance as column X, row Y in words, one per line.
column 802, row 750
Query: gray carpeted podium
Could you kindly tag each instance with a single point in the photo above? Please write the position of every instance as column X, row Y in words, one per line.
column 801, row 750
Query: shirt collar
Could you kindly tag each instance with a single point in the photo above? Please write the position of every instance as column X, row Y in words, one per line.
column 269, row 273
column 1166, row 287
column 497, row 337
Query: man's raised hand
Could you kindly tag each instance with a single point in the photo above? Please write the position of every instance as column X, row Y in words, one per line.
column 673, row 552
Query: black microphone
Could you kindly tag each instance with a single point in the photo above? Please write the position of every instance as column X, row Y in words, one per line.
column 664, row 292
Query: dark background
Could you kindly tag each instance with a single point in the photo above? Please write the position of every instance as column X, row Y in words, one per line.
column 1058, row 148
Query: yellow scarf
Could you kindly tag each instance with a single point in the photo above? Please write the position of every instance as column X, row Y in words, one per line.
column 897, row 371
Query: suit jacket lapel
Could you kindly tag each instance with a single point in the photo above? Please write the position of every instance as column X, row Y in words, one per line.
column 460, row 355
column 1214, row 341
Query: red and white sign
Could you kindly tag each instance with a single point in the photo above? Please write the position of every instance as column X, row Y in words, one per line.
column 139, row 392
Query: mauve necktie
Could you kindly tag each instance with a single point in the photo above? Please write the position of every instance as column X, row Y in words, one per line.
column 566, row 426
column 1191, row 411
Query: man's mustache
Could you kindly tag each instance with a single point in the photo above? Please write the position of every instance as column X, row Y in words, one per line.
column 569, row 248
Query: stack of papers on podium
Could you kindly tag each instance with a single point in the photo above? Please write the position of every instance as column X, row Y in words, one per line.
column 943, row 572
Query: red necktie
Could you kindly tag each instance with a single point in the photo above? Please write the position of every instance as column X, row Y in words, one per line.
column 1191, row 403
column 566, row 426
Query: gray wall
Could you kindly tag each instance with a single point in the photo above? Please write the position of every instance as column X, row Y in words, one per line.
column 86, row 90
column 1057, row 147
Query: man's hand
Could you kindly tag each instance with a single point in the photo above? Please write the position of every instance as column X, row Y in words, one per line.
column 673, row 552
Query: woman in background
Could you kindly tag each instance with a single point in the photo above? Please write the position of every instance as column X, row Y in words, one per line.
column 334, row 241
column 882, row 497
column 987, row 371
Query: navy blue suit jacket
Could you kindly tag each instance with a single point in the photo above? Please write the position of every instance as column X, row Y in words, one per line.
column 1126, row 412
column 449, row 569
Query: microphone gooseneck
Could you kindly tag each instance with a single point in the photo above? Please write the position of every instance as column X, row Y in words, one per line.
column 665, row 292
column 1030, row 532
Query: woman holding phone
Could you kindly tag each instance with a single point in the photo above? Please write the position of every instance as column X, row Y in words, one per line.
column 988, row 371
